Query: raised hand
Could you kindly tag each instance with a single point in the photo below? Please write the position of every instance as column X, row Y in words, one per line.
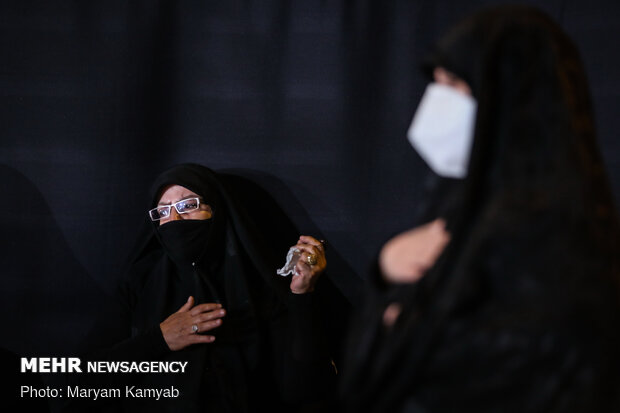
column 185, row 327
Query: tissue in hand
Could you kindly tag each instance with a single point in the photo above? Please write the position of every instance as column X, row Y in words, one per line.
column 291, row 259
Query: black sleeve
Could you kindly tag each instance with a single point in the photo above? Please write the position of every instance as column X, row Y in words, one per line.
column 303, row 366
column 512, row 370
column 113, row 338
column 149, row 345
column 110, row 340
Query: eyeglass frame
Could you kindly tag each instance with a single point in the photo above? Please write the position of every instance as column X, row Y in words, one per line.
column 198, row 200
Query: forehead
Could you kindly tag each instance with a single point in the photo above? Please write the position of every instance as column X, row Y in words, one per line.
column 173, row 193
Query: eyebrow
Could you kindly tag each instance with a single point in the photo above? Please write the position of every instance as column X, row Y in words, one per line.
column 184, row 197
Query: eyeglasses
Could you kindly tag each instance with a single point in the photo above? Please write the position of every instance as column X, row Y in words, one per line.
column 184, row 206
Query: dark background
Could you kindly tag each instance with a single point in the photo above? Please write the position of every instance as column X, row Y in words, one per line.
column 311, row 98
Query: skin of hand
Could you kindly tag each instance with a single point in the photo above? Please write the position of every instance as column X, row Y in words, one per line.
column 406, row 257
column 391, row 313
column 306, row 275
column 177, row 329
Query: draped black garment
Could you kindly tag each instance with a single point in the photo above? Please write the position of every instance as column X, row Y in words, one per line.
column 520, row 313
column 270, row 352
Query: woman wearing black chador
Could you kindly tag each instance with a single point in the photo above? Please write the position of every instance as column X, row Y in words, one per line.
column 202, row 288
column 505, row 299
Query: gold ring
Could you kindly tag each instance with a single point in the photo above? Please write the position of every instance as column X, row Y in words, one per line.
column 312, row 259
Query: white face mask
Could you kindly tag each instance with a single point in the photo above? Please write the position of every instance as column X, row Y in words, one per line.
column 442, row 130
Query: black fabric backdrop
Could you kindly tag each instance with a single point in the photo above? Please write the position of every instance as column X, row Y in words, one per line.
column 312, row 99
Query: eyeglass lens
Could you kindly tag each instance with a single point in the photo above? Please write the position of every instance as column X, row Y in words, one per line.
column 182, row 207
column 186, row 205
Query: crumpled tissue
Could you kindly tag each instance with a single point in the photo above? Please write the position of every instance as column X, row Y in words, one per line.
column 292, row 256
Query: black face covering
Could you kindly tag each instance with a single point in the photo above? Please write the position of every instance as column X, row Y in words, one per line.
column 235, row 265
column 185, row 241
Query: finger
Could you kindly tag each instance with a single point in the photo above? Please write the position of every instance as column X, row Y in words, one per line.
column 200, row 338
column 302, row 268
column 306, row 239
column 201, row 308
column 309, row 249
column 210, row 315
column 439, row 223
column 188, row 304
column 303, row 258
column 315, row 261
column 391, row 313
column 209, row 325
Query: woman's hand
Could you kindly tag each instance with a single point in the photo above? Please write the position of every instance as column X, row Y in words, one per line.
column 184, row 327
column 406, row 257
column 310, row 266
